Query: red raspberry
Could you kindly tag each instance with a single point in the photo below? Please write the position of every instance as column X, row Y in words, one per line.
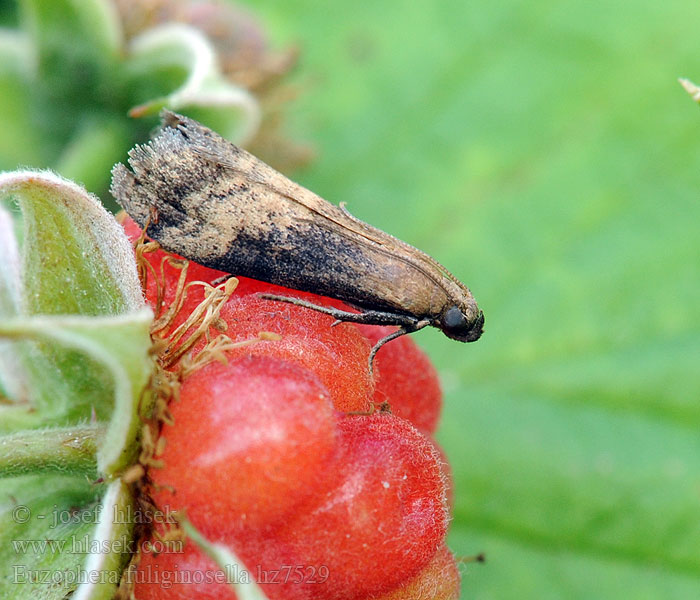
column 248, row 443
column 380, row 524
column 337, row 355
column 180, row 575
column 439, row 580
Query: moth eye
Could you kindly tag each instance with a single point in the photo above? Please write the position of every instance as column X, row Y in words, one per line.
column 454, row 319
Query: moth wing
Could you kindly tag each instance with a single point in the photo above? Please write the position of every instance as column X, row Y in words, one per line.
column 336, row 218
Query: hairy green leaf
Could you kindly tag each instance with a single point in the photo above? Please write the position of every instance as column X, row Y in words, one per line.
column 60, row 534
column 76, row 258
column 115, row 352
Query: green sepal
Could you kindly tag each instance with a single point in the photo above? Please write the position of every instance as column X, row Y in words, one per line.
column 64, row 450
column 112, row 353
column 114, row 534
column 13, row 377
column 76, row 257
column 178, row 69
column 74, row 316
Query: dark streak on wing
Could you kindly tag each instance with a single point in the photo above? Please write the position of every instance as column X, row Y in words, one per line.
column 314, row 256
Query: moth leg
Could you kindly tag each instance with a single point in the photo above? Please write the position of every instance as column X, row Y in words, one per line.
column 367, row 317
column 222, row 279
column 392, row 336
column 406, row 323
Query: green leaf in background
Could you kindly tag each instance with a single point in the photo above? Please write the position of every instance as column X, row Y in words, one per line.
column 545, row 153
column 75, row 47
column 96, row 144
column 20, row 144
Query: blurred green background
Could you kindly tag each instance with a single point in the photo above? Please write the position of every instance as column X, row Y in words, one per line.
column 545, row 153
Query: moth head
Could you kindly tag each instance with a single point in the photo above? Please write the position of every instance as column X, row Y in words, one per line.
column 462, row 323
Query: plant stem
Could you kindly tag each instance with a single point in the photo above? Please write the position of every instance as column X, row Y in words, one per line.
column 66, row 450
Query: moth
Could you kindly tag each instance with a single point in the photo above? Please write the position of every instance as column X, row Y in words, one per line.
column 220, row 206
